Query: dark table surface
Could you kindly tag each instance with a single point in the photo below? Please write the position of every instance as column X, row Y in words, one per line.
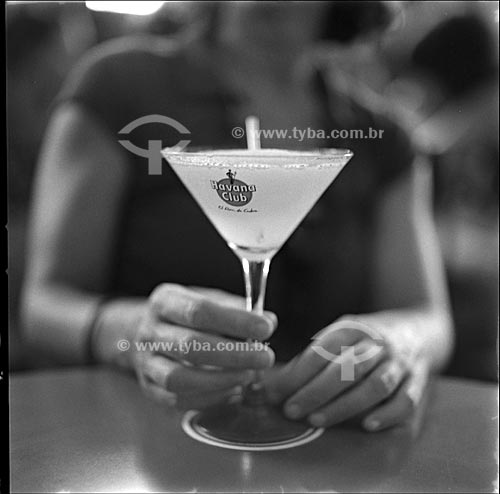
column 92, row 430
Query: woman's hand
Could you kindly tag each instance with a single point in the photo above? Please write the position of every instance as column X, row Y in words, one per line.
column 360, row 365
column 190, row 350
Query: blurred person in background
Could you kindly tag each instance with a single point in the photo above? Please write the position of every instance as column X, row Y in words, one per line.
column 116, row 253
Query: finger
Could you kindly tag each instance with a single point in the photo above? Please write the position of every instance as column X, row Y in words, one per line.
column 331, row 381
column 156, row 369
column 275, row 378
column 199, row 401
column 298, row 372
column 177, row 378
column 185, row 307
column 205, row 349
column 159, row 394
column 230, row 300
column 404, row 404
column 377, row 387
column 220, row 296
column 272, row 317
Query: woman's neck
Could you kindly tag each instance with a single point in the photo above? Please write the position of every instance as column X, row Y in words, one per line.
column 278, row 91
column 282, row 70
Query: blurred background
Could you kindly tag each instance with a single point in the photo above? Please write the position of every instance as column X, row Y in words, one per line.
column 437, row 67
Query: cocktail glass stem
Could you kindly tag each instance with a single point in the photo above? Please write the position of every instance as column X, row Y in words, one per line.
column 255, row 273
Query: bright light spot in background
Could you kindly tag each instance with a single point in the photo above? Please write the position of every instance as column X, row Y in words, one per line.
column 133, row 8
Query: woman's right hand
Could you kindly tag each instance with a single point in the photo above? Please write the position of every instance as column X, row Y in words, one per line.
column 190, row 349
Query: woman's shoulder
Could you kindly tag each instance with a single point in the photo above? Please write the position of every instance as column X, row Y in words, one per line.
column 118, row 76
column 129, row 65
column 132, row 53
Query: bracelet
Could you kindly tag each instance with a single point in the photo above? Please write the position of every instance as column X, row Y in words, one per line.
column 92, row 330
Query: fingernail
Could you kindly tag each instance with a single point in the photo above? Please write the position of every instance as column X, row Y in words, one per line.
column 265, row 359
column 371, row 424
column 273, row 318
column 389, row 378
column 292, row 410
column 265, row 328
column 317, row 419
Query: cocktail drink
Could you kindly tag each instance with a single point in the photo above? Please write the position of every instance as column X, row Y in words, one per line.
column 255, row 199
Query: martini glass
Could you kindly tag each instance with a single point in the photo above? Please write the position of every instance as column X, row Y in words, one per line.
column 255, row 199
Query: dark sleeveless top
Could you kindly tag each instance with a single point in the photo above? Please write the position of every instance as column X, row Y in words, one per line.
column 324, row 269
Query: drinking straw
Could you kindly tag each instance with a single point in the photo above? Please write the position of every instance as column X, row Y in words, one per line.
column 253, row 135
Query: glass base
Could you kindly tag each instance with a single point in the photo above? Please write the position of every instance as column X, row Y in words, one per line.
column 240, row 426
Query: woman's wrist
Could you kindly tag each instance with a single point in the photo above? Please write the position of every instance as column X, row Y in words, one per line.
column 114, row 332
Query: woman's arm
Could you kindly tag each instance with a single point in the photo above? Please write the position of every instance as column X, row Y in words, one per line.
column 348, row 370
column 409, row 281
column 79, row 190
column 81, row 179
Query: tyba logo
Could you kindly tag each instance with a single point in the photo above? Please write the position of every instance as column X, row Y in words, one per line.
column 234, row 192
column 153, row 151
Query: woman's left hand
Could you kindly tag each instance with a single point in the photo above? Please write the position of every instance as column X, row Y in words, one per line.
column 360, row 365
